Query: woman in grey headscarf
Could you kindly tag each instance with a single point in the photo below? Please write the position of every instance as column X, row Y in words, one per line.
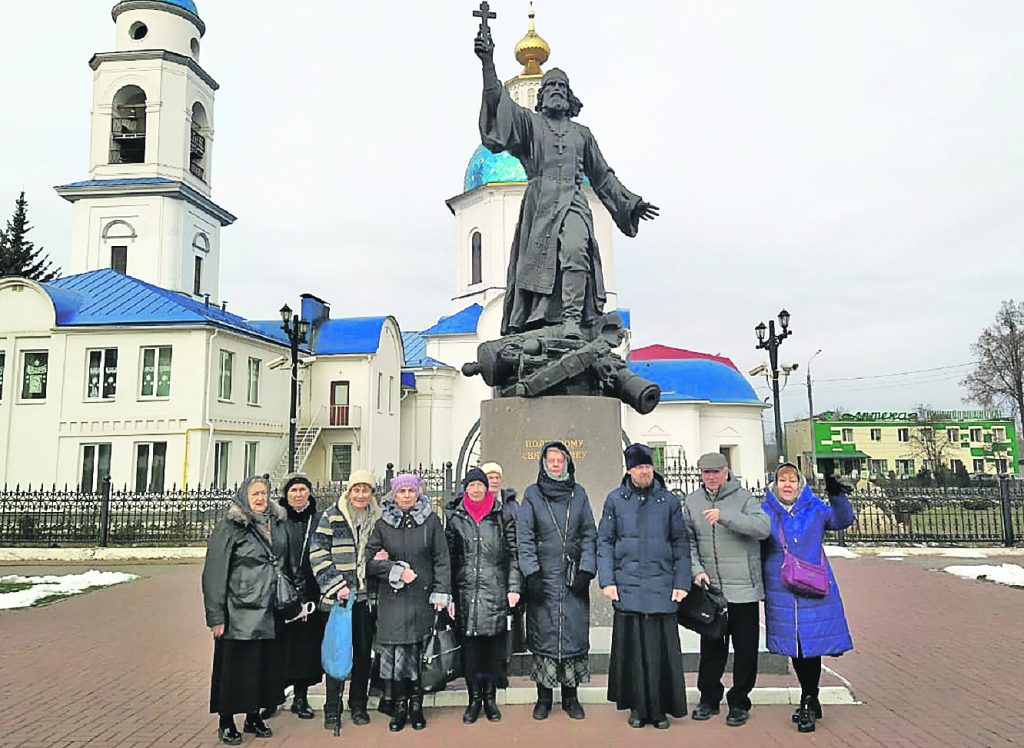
column 239, row 579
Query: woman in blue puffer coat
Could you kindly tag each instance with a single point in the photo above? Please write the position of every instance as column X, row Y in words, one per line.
column 799, row 626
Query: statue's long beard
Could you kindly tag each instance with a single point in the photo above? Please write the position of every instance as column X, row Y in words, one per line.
column 555, row 103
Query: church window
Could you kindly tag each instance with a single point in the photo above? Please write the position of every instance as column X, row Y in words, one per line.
column 341, row 462
column 197, row 142
column 391, row 395
column 150, row 467
column 227, row 369
column 251, row 452
column 119, row 259
column 221, row 453
column 194, row 45
column 380, row 392
column 34, row 375
column 95, row 467
column 101, row 374
column 3, row 361
column 128, row 127
column 156, row 372
column 254, row 382
column 197, row 277
column 138, row 31
column 476, row 258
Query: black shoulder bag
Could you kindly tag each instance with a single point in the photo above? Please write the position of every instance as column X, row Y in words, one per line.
column 572, row 560
column 286, row 596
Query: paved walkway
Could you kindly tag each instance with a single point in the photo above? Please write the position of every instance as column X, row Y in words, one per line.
column 939, row 662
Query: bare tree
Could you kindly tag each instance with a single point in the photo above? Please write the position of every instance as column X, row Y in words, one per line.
column 998, row 378
column 928, row 445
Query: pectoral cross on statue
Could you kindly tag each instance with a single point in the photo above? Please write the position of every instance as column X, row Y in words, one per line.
column 483, row 14
column 559, row 145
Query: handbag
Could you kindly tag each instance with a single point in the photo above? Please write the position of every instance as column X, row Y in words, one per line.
column 705, row 611
column 441, row 661
column 802, row 577
column 286, row 596
column 336, row 648
column 572, row 561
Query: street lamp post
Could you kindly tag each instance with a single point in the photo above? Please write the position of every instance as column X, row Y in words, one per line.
column 810, row 421
column 771, row 343
column 295, row 328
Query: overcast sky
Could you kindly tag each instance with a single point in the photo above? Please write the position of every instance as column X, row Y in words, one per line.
column 861, row 164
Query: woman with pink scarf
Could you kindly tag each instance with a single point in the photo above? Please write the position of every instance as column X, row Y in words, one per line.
column 486, row 585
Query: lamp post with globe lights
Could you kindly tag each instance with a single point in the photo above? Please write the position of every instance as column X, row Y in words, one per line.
column 296, row 329
column 768, row 340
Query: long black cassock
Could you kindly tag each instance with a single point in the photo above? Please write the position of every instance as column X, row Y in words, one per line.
column 555, row 167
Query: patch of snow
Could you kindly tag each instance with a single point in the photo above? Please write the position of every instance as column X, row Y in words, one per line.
column 1008, row 574
column 895, row 556
column 837, row 551
column 67, row 584
column 964, row 553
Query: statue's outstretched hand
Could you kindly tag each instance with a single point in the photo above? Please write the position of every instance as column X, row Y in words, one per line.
column 483, row 46
column 646, row 211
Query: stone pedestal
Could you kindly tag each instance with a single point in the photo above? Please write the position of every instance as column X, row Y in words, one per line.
column 513, row 429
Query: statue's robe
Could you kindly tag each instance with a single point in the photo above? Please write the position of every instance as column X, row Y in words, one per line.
column 533, row 290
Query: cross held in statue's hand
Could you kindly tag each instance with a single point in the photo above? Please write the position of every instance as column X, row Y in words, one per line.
column 483, row 14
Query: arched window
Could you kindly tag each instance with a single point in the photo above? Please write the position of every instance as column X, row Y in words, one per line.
column 476, row 259
column 117, row 236
column 198, row 142
column 128, row 126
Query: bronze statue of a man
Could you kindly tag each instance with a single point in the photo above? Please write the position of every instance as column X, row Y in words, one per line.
column 554, row 272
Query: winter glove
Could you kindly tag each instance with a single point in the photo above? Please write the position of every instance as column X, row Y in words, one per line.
column 834, row 488
column 534, row 586
column 581, row 585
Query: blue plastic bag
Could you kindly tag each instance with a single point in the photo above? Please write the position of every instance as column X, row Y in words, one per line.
column 336, row 649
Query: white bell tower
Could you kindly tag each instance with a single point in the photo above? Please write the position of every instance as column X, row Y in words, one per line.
column 146, row 209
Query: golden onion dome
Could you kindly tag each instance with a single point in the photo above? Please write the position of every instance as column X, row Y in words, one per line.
column 532, row 51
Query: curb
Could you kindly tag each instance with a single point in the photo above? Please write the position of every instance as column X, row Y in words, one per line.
column 71, row 555
column 830, row 695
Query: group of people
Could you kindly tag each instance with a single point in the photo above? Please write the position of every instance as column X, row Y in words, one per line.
column 495, row 559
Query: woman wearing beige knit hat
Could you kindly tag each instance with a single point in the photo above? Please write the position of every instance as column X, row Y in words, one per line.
column 338, row 557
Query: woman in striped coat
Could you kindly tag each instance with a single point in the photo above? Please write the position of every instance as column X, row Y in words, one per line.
column 338, row 558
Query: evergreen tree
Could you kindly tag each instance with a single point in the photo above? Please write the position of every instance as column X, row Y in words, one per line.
column 18, row 255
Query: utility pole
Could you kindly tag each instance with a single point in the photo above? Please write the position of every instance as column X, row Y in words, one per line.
column 810, row 419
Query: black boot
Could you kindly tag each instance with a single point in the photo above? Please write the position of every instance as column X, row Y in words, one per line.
column 300, row 703
column 574, row 294
column 416, row 718
column 386, row 704
column 359, row 714
column 332, row 705
column 805, row 716
column 227, row 733
column 812, row 703
column 571, row 704
column 545, row 697
column 399, row 707
column 472, row 713
column 255, row 724
column 491, row 702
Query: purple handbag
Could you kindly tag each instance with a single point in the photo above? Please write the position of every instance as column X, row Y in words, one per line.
column 803, row 577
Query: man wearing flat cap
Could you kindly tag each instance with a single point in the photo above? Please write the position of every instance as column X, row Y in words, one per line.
column 643, row 567
column 726, row 526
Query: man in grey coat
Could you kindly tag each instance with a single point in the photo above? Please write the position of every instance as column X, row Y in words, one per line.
column 726, row 526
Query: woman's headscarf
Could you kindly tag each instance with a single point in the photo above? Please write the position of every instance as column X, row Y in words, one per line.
column 563, row 486
column 261, row 521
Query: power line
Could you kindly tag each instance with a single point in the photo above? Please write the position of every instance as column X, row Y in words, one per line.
column 899, row 373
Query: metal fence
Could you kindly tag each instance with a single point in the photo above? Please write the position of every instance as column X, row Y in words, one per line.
column 58, row 517
column 896, row 514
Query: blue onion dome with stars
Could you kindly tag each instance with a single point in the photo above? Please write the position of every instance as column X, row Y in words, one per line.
column 494, row 168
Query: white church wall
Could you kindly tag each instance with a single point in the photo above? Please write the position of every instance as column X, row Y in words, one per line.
column 736, row 430
column 386, row 379
column 164, row 30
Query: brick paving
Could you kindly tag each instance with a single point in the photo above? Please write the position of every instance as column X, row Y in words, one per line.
column 939, row 662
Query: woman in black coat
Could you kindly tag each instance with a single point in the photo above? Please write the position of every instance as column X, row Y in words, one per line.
column 238, row 593
column 643, row 562
column 302, row 637
column 408, row 555
column 486, row 585
column 557, row 542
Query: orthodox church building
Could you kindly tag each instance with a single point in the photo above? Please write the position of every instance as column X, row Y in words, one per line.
column 131, row 367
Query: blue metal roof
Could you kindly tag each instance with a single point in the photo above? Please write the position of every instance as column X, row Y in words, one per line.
column 127, row 182
column 416, row 357
column 106, row 297
column 696, row 379
column 186, row 4
column 351, row 336
column 460, row 323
